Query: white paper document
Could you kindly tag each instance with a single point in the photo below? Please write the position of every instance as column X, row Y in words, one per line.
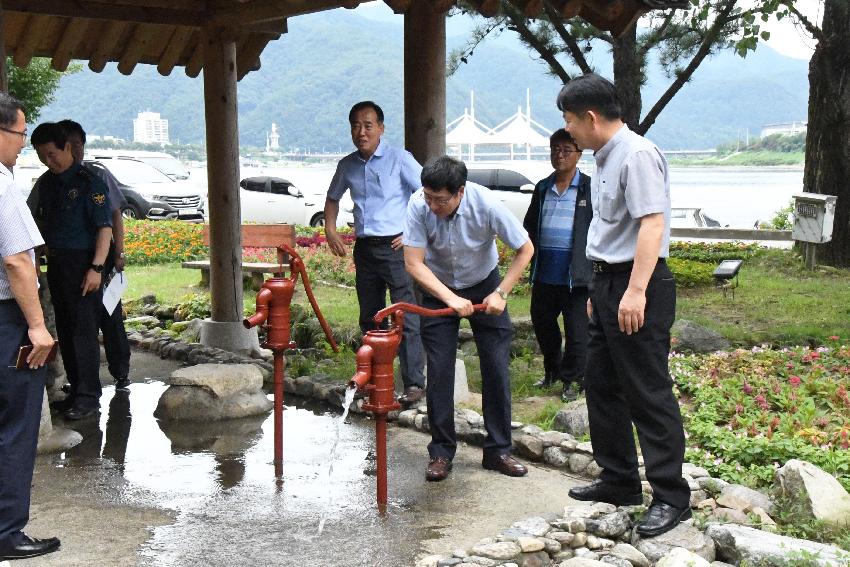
column 113, row 292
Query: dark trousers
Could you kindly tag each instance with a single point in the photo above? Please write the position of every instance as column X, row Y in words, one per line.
column 20, row 413
column 493, row 335
column 548, row 302
column 77, row 319
column 115, row 342
column 378, row 268
column 627, row 381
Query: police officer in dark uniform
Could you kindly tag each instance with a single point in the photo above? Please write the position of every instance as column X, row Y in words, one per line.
column 74, row 215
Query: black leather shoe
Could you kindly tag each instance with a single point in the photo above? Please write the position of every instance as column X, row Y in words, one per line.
column 76, row 414
column 601, row 491
column 30, row 547
column 544, row 382
column 412, row 394
column 661, row 518
column 438, row 469
column 504, row 464
column 122, row 384
column 62, row 405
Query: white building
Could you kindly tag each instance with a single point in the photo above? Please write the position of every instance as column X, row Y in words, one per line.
column 148, row 128
column 785, row 128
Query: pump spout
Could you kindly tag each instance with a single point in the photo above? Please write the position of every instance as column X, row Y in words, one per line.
column 264, row 297
column 364, row 368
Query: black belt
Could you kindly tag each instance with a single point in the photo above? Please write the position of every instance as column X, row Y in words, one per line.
column 600, row 267
column 378, row 240
column 7, row 301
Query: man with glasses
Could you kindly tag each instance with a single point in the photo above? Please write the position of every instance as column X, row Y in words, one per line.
column 21, row 322
column 557, row 221
column 450, row 250
column 381, row 179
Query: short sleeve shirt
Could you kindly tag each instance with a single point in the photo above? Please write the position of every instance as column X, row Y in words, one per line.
column 461, row 249
column 72, row 207
column 18, row 232
column 631, row 181
column 380, row 188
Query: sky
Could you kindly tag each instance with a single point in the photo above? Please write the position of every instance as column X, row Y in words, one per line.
column 786, row 37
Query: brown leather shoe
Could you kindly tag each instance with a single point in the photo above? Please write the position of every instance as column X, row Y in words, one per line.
column 412, row 394
column 504, row 464
column 438, row 469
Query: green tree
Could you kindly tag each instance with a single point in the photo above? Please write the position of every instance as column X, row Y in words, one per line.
column 34, row 84
column 680, row 39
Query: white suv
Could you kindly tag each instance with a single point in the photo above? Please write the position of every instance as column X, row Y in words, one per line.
column 512, row 181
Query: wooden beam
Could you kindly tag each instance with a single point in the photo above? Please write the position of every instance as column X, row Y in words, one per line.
column 71, row 37
column 529, row 8
column 487, row 8
column 175, row 48
column 248, row 56
column 615, row 16
column 398, row 6
column 136, row 47
column 112, row 11
column 30, row 38
column 570, row 9
column 255, row 12
column 442, row 6
column 106, row 45
column 196, row 61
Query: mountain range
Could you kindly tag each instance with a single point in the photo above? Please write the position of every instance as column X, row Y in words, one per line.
column 327, row 61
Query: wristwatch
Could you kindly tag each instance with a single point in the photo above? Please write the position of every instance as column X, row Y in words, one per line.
column 97, row 267
column 502, row 293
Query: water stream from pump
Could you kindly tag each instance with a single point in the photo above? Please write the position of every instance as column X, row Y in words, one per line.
column 346, row 405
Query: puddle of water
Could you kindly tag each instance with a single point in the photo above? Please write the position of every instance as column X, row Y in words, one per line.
column 219, row 477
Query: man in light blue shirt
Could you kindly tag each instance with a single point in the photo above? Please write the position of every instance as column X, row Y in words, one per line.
column 381, row 179
column 450, row 250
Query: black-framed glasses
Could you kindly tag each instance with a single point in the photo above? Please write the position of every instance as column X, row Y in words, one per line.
column 438, row 201
column 23, row 134
column 564, row 150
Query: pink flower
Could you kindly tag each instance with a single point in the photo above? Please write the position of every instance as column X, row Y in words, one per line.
column 762, row 403
column 834, row 337
column 794, row 381
column 747, row 388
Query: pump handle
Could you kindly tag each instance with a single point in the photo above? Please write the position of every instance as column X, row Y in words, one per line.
column 296, row 266
column 411, row 308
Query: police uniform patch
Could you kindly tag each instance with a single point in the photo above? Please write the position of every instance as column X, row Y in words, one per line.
column 73, row 194
column 99, row 199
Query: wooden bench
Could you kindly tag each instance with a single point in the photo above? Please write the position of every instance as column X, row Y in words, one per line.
column 253, row 236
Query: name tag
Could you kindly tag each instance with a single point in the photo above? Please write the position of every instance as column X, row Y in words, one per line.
column 582, row 203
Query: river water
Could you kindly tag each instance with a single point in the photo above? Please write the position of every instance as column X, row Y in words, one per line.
column 735, row 196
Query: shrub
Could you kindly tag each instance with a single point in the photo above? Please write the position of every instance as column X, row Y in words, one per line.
column 713, row 252
column 690, row 273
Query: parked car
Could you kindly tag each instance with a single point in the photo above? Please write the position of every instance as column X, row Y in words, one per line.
column 166, row 163
column 151, row 194
column 512, row 181
column 690, row 217
column 267, row 199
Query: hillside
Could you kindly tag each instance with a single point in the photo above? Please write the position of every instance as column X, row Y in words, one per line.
column 311, row 76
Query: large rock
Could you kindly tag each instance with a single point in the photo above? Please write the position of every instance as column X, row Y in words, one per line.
column 631, row 554
column 816, row 490
column 690, row 337
column 683, row 535
column 582, row 562
column 737, row 544
column 214, row 391
column 742, row 498
column 572, row 418
column 679, row 557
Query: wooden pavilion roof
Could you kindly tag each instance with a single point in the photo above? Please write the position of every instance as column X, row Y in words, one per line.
column 167, row 33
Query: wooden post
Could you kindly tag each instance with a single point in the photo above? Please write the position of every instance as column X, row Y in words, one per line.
column 223, row 175
column 4, row 72
column 424, row 80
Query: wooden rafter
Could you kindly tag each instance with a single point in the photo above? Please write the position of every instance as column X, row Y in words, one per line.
column 398, row 6
column 135, row 50
column 106, row 44
column 529, row 8
column 253, row 12
column 487, row 8
column 30, row 38
column 196, row 61
column 176, row 46
column 71, row 38
column 109, row 11
column 248, row 58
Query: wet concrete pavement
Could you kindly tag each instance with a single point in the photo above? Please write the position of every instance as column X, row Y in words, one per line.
column 140, row 492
